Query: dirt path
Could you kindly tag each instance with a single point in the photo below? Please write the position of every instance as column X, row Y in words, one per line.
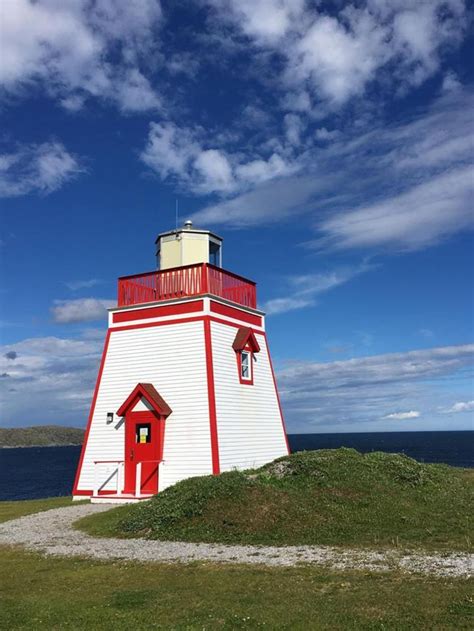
column 51, row 532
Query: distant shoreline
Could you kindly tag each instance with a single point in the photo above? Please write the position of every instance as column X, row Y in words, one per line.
column 50, row 445
column 40, row 436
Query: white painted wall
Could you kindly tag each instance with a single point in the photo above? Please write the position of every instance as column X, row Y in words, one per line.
column 173, row 359
column 249, row 424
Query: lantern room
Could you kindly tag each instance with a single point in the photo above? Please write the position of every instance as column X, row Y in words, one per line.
column 188, row 246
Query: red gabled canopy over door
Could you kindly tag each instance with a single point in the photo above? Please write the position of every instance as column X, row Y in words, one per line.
column 144, row 438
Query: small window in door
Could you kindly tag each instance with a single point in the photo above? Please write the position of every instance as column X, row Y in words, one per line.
column 143, row 433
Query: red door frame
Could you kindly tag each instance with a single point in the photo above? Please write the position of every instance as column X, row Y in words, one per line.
column 149, row 454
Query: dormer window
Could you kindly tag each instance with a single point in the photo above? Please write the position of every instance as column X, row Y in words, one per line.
column 245, row 346
column 246, row 365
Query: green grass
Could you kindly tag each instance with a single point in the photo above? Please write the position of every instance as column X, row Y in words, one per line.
column 38, row 592
column 50, row 593
column 335, row 497
column 12, row 510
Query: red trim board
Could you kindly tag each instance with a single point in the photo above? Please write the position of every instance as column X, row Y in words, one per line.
column 158, row 312
column 212, row 397
column 148, row 324
column 278, row 396
column 91, row 414
column 179, row 320
column 237, row 314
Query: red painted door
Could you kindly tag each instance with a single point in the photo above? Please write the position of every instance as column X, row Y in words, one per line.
column 142, row 444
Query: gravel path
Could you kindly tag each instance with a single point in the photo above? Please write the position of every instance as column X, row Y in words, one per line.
column 51, row 532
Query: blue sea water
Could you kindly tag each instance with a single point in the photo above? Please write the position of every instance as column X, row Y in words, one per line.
column 36, row 472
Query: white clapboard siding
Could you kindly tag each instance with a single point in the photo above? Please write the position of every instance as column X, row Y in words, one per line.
column 173, row 359
column 250, row 430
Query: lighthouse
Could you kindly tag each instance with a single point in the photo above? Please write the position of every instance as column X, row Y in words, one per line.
column 186, row 385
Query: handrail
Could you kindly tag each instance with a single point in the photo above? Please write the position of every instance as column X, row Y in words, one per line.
column 120, row 476
column 180, row 267
column 186, row 281
column 138, row 474
column 158, row 271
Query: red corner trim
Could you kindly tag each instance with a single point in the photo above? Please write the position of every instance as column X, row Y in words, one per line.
column 148, row 392
column 91, row 414
column 212, row 397
column 278, row 396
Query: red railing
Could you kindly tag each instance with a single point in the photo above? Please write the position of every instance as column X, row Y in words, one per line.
column 189, row 280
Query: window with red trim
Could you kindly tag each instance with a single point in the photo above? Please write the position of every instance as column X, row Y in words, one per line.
column 245, row 360
column 245, row 346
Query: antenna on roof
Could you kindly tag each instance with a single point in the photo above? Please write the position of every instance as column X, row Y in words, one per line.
column 176, row 213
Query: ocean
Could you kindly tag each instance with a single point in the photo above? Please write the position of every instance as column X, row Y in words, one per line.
column 37, row 472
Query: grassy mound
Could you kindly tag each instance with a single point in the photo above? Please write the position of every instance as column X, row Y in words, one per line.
column 335, row 497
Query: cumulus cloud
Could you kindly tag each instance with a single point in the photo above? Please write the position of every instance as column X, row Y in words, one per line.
column 214, row 170
column 41, row 168
column 11, row 355
column 337, row 56
column 402, row 416
column 78, row 50
column 81, row 310
column 182, row 153
column 402, row 187
column 53, row 381
column 265, row 20
column 363, row 390
column 460, row 406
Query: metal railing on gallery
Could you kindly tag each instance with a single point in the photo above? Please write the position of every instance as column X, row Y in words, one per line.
column 188, row 280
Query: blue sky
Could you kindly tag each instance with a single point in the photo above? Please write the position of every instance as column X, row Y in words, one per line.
column 330, row 144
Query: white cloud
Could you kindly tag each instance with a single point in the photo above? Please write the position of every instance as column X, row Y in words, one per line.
column 303, row 290
column 214, row 170
column 413, row 219
column 266, row 20
column 78, row 49
column 50, row 381
column 400, row 187
column 169, row 149
column 326, row 134
column 179, row 152
column 338, row 62
column 294, row 127
column 258, row 171
column 451, row 82
column 81, row 310
column 402, row 416
column 358, row 392
column 336, row 56
column 268, row 202
column 460, row 406
column 39, row 168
